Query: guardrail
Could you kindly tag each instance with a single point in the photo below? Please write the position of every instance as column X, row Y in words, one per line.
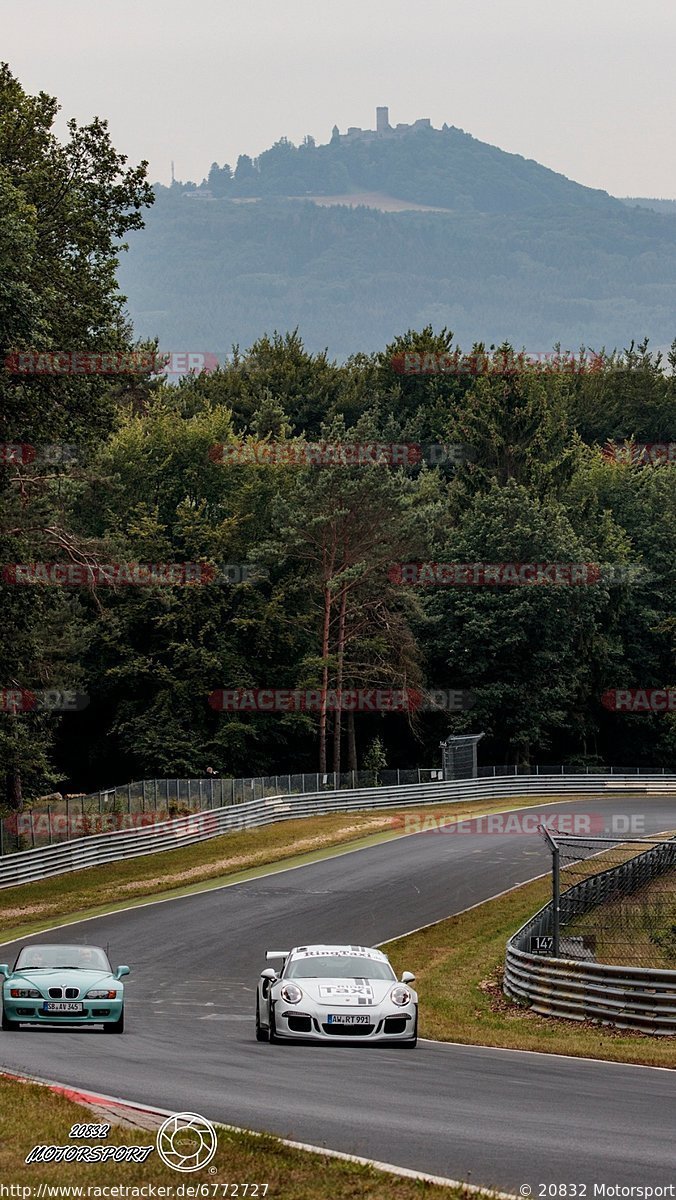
column 641, row 998
column 61, row 818
column 75, row 855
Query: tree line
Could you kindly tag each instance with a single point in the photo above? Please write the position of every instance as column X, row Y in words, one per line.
column 223, row 472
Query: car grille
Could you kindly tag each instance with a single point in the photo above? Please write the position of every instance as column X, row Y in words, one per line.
column 348, row 1030
column 56, row 993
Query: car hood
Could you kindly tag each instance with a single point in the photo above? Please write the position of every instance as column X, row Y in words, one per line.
column 334, row 993
column 42, row 978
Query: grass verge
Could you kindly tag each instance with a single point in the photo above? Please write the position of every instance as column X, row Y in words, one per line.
column 458, row 966
column 233, row 857
column 32, row 1114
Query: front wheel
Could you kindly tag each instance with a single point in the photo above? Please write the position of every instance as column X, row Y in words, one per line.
column 115, row 1026
column 7, row 1025
column 261, row 1034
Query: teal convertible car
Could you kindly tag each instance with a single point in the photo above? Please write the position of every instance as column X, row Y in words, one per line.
column 63, row 985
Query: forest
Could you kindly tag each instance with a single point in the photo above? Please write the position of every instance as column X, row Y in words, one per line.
column 164, row 545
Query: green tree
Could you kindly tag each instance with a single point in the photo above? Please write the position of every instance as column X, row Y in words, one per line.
column 64, row 208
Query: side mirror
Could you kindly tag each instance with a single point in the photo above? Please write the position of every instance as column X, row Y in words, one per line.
column 407, row 977
column 121, row 971
column 4, row 970
column 269, row 973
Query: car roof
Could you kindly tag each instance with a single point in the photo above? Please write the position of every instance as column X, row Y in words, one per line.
column 320, row 949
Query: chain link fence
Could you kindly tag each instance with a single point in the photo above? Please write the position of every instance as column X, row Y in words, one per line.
column 148, row 801
column 615, row 900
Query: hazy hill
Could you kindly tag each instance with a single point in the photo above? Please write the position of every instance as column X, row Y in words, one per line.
column 519, row 251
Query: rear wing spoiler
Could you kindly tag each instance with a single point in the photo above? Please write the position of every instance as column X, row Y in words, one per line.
column 270, row 954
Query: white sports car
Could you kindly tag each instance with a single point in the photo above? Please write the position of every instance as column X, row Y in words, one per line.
column 322, row 993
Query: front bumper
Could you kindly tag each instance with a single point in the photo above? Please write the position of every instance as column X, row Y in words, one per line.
column 310, row 1023
column 94, row 1012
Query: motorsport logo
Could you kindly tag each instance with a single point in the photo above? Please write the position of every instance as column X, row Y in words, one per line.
column 185, row 1142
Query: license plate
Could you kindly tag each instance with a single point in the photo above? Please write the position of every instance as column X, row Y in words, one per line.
column 347, row 1019
column 56, row 1007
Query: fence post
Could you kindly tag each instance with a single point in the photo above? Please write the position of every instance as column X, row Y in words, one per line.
column 143, row 795
column 128, row 797
column 49, row 826
column 556, row 900
column 556, row 890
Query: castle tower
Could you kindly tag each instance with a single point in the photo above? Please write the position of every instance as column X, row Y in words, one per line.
column 382, row 120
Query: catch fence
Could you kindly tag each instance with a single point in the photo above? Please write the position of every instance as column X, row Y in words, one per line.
column 604, row 948
column 151, row 801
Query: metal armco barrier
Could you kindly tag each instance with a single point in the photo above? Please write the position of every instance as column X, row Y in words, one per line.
column 28, row 865
column 641, row 998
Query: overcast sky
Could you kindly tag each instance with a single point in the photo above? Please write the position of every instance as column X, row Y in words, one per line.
column 587, row 87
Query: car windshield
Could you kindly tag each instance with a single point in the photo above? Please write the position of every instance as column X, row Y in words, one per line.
column 80, row 958
column 338, row 966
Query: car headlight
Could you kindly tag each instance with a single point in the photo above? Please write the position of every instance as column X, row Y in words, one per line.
column 291, row 993
column 24, row 993
column 400, row 995
column 99, row 994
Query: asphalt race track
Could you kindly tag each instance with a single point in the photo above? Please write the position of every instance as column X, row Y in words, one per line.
column 494, row 1117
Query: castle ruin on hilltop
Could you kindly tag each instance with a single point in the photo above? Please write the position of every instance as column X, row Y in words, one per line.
column 382, row 129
